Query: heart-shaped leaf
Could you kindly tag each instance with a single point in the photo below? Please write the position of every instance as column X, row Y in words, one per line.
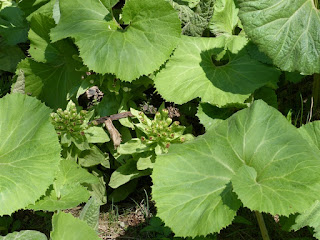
column 191, row 73
column 256, row 153
column 152, row 33
column 55, row 71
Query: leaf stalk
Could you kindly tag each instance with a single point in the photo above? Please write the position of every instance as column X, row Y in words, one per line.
column 262, row 225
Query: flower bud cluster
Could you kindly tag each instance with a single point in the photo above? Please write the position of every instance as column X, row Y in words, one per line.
column 161, row 129
column 69, row 121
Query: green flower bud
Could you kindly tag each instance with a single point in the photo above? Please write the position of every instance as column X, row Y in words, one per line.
column 83, row 112
column 82, row 133
column 143, row 139
column 182, row 139
column 151, row 138
column 157, row 116
column 167, row 145
column 165, row 113
column 59, row 111
column 168, row 121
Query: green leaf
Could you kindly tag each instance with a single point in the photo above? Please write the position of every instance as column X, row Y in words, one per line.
column 287, row 31
column 29, row 151
column 67, row 192
column 65, row 226
column 41, row 48
column 10, row 56
column 90, row 213
column 92, row 157
column 98, row 190
column 224, row 21
column 51, row 80
column 13, row 25
column 69, row 196
column 293, row 77
column 71, row 173
column 29, row 7
column 152, row 33
column 145, row 162
column 123, row 191
column 268, row 95
column 25, row 235
column 109, row 4
column 311, row 132
column 194, row 21
column 191, row 73
column 270, row 166
column 311, row 218
column 210, row 115
column 96, row 135
column 225, row 17
column 125, row 173
column 133, row 146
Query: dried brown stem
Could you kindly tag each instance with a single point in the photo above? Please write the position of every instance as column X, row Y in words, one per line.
column 114, row 133
column 113, row 117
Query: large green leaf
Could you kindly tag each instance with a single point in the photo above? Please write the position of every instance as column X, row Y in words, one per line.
column 287, row 31
column 67, row 191
column 51, row 79
column 270, row 166
column 191, row 73
column 152, row 33
column 65, row 226
column 311, row 217
column 29, row 151
column 25, row 235
column 13, row 25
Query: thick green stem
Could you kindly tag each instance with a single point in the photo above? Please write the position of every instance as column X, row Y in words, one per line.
column 316, row 3
column 262, row 225
column 316, row 90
